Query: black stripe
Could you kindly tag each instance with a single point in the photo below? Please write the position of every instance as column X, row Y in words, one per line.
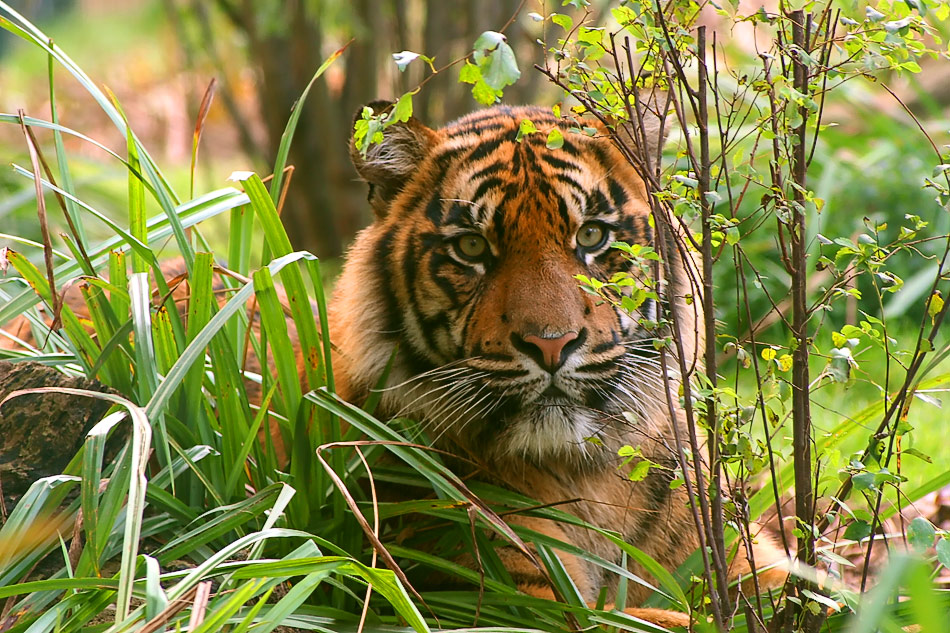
column 600, row 348
column 528, row 154
column 448, row 156
column 569, row 148
column 485, row 186
column 478, row 128
column 436, row 262
column 460, row 213
column 564, row 214
column 498, row 224
column 409, row 271
column 599, row 152
column 416, row 363
column 491, row 170
column 484, row 148
column 569, row 180
column 543, row 187
column 597, row 202
column 391, row 312
column 434, row 209
column 617, row 193
column 598, row 368
column 559, row 163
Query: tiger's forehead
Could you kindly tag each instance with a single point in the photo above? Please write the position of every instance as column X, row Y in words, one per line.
column 486, row 174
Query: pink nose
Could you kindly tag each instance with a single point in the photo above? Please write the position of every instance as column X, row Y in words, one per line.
column 552, row 349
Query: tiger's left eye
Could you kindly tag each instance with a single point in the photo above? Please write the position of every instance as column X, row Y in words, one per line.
column 472, row 246
column 591, row 235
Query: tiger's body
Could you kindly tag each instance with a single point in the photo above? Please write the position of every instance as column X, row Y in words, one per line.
column 470, row 269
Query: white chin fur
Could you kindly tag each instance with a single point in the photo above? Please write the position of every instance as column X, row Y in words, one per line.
column 550, row 432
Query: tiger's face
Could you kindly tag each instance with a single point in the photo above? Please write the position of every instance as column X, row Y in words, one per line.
column 473, row 260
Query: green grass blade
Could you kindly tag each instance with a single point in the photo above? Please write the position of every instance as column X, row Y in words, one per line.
column 240, row 231
column 219, row 616
column 155, row 598
column 93, row 455
column 250, row 442
column 196, row 348
column 275, row 324
column 251, row 616
column 276, row 615
column 65, row 175
column 221, row 521
column 190, row 214
column 137, row 227
column 300, row 308
column 200, row 304
column 563, row 583
column 31, row 514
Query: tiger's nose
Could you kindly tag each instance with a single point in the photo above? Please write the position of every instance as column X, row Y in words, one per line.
column 549, row 352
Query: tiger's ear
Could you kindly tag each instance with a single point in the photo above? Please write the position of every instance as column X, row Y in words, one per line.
column 387, row 166
column 648, row 132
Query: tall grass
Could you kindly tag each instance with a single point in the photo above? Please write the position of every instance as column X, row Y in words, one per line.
column 198, row 520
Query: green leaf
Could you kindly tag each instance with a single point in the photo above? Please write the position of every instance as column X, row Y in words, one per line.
column 563, row 21
column 692, row 183
column 155, row 598
column 469, row 73
column 732, row 234
column 920, row 534
column 484, row 93
column 864, row 481
column 858, row 530
column 935, row 305
column 943, row 552
column 496, row 59
column 402, row 111
column 640, row 470
column 526, row 127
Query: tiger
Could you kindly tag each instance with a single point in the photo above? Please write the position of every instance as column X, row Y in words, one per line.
column 467, row 279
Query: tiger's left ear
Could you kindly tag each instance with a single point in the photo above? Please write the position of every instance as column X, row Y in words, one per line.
column 389, row 165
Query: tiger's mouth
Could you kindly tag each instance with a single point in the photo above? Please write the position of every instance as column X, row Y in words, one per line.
column 516, row 409
column 554, row 393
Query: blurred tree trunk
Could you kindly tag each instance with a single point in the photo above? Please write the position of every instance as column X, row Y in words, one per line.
column 325, row 203
column 361, row 87
column 287, row 61
column 321, row 202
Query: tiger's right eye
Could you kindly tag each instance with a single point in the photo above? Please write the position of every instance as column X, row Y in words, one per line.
column 471, row 246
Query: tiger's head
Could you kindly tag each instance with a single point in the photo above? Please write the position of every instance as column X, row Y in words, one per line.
column 470, row 267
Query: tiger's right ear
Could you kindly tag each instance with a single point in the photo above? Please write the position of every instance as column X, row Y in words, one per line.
column 387, row 166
